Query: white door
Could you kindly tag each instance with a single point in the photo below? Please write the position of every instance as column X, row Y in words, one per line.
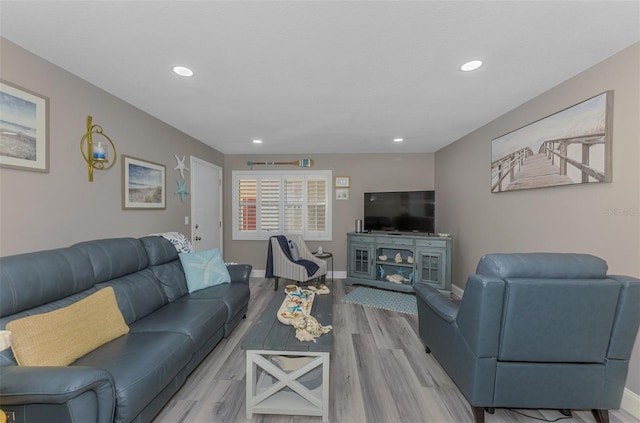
column 206, row 205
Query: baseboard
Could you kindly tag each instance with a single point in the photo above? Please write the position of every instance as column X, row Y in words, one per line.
column 631, row 403
column 257, row 273
column 457, row 291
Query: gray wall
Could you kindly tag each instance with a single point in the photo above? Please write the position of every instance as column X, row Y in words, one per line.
column 55, row 209
column 368, row 172
column 600, row 219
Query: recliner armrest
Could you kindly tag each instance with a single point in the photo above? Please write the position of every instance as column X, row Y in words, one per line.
column 57, row 385
column 239, row 273
column 446, row 308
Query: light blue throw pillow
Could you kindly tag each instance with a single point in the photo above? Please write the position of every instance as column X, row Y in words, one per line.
column 204, row 269
column 293, row 250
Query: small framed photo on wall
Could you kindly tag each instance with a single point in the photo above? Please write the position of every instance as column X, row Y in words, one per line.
column 342, row 193
column 343, row 182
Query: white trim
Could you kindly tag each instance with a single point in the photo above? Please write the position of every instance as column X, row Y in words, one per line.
column 457, row 291
column 631, row 403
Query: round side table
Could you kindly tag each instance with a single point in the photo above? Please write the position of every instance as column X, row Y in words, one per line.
column 325, row 255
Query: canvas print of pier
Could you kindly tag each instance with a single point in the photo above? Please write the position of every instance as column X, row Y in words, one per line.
column 24, row 137
column 143, row 184
column 572, row 146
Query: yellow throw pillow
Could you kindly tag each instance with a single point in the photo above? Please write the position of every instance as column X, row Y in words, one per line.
column 60, row 337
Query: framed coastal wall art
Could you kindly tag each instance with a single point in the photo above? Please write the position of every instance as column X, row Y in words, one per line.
column 143, row 184
column 24, row 128
column 342, row 193
column 572, row 146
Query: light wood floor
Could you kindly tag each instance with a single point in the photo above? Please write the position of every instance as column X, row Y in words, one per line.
column 379, row 374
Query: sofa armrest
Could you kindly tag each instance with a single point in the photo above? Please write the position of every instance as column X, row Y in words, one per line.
column 239, row 273
column 22, row 386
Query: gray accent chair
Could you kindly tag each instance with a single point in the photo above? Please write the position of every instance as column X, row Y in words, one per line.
column 535, row 330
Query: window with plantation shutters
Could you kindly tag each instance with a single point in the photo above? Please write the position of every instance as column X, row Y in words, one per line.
column 267, row 203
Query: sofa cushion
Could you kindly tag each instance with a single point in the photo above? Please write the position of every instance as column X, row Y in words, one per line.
column 203, row 269
column 112, row 258
column 196, row 319
column 544, row 320
column 142, row 365
column 235, row 297
column 60, row 337
column 32, row 279
column 159, row 250
column 138, row 294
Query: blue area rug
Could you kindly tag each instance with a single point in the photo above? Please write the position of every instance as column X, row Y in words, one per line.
column 381, row 298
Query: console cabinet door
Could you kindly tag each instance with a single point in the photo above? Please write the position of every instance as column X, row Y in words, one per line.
column 361, row 261
column 431, row 267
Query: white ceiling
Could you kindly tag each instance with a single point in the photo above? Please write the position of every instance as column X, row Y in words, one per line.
column 323, row 76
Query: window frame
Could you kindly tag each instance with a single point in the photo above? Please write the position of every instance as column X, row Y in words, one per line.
column 305, row 175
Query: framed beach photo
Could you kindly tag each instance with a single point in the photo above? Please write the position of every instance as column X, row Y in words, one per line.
column 143, row 184
column 343, row 182
column 569, row 147
column 24, row 129
column 342, row 193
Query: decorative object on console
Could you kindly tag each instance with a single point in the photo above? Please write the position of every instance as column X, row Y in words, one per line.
column 143, row 184
column 182, row 189
column 25, row 129
column 398, row 258
column 572, row 146
column 299, row 163
column 96, row 154
column 181, row 167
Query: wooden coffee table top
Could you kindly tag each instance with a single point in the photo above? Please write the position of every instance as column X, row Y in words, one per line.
column 269, row 334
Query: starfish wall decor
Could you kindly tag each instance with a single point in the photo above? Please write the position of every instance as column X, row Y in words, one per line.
column 181, row 167
column 182, row 189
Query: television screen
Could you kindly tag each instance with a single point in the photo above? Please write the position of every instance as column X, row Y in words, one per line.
column 406, row 211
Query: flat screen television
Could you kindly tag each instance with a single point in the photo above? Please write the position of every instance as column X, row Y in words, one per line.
column 405, row 211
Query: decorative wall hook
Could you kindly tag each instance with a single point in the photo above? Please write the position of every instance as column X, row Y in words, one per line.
column 96, row 154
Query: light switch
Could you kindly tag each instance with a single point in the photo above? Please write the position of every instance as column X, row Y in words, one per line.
column 186, row 220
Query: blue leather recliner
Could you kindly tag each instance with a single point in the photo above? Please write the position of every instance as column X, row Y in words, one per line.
column 535, row 330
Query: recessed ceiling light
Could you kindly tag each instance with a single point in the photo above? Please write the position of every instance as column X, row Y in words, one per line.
column 257, row 141
column 182, row 71
column 472, row 65
column 398, row 139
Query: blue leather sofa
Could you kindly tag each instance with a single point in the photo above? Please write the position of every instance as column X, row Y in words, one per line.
column 535, row 330
column 132, row 377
